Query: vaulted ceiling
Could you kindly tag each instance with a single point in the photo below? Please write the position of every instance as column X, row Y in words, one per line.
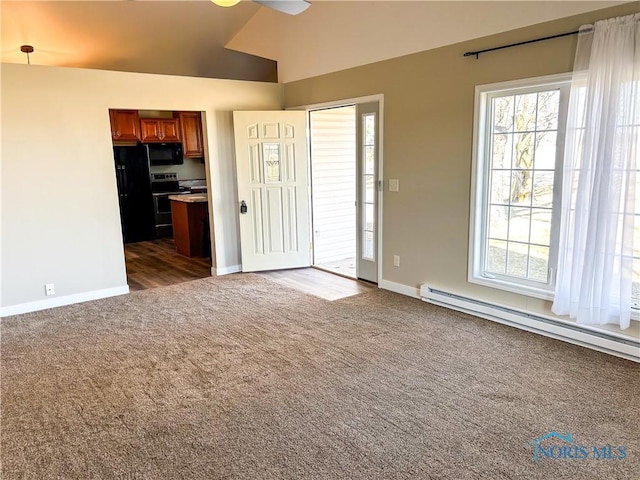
column 197, row 38
column 335, row 35
column 169, row 37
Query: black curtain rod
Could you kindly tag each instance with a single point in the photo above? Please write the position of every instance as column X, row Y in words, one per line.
column 477, row 54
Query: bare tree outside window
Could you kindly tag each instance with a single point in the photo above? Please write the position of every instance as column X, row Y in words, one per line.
column 523, row 136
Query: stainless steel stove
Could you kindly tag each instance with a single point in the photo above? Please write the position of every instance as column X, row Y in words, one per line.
column 163, row 185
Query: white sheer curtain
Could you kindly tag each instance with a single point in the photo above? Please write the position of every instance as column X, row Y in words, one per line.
column 600, row 180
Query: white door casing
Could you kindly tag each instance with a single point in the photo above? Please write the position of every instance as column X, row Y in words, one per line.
column 272, row 170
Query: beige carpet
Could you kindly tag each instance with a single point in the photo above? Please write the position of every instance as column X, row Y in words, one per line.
column 240, row 378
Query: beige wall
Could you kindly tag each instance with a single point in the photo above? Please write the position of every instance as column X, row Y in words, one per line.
column 428, row 126
column 60, row 220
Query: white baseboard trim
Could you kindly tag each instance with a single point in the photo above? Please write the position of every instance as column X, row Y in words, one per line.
column 61, row 301
column 399, row 288
column 600, row 340
column 226, row 270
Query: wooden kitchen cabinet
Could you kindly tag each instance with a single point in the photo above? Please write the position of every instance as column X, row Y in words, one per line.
column 190, row 215
column 160, row 130
column 125, row 125
column 191, row 129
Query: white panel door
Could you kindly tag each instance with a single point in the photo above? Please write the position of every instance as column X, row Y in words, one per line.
column 271, row 163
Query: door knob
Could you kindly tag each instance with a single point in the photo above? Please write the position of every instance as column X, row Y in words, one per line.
column 243, row 207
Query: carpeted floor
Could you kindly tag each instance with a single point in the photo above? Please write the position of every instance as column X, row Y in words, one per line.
column 240, row 378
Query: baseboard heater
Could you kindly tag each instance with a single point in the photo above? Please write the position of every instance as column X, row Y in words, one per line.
column 608, row 342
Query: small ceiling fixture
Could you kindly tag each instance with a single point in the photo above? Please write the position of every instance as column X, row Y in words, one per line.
column 226, row 3
column 27, row 49
column 291, row 7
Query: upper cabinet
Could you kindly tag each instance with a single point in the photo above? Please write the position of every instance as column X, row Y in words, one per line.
column 191, row 127
column 125, row 125
column 183, row 127
column 160, row 129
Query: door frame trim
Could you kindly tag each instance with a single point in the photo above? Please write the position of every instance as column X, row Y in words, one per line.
column 379, row 97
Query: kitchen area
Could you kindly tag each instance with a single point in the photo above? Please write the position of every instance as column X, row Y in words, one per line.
column 159, row 162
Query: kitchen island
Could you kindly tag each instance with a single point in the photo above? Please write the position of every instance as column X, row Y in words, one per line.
column 190, row 216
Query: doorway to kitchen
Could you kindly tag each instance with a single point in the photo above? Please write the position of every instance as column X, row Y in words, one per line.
column 162, row 185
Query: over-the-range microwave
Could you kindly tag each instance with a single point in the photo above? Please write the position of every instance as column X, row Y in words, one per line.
column 165, row 153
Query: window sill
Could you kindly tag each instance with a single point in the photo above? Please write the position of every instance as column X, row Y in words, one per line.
column 525, row 290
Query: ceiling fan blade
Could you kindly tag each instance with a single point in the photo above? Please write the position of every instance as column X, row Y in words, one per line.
column 291, row 7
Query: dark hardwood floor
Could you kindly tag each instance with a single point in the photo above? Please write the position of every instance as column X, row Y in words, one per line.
column 156, row 264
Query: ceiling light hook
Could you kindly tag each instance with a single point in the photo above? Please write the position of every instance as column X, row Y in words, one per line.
column 27, row 49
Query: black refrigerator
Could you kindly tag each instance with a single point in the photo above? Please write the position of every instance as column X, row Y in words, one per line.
column 134, row 193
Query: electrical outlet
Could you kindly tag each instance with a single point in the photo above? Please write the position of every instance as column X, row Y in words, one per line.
column 394, row 185
column 396, row 260
column 49, row 289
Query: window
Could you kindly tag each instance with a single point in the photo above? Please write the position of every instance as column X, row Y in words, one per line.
column 519, row 133
column 631, row 128
column 369, row 184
